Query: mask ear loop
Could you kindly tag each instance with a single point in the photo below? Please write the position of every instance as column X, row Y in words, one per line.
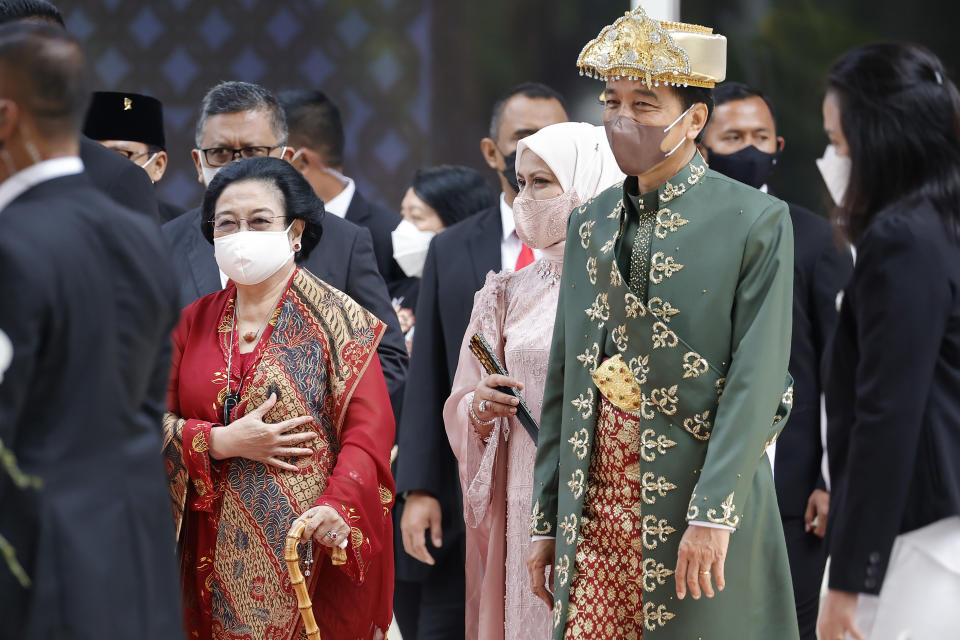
column 672, row 125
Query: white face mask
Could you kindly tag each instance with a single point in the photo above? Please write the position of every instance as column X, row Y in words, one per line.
column 410, row 246
column 836, row 173
column 250, row 257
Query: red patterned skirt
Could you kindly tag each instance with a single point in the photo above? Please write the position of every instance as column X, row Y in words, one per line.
column 606, row 596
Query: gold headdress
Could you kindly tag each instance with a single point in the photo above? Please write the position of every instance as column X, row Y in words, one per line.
column 641, row 48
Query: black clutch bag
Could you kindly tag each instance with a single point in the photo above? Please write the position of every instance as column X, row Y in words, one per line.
column 481, row 349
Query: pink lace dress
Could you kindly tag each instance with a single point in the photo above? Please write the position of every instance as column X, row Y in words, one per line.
column 515, row 311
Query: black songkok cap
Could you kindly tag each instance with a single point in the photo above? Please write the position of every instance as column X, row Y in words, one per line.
column 125, row 116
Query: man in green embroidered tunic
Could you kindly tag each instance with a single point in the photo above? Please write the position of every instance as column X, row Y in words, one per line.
column 668, row 372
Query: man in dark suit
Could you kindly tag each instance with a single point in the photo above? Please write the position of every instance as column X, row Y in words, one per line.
column 239, row 119
column 456, row 268
column 742, row 143
column 316, row 135
column 109, row 173
column 91, row 301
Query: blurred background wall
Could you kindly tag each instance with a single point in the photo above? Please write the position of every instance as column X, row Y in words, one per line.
column 415, row 79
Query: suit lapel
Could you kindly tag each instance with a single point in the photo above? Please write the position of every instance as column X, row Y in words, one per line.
column 484, row 246
column 203, row 265
column 357, row 211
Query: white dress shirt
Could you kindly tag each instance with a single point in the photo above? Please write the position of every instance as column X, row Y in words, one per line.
column 24, row 180
column 339, row 204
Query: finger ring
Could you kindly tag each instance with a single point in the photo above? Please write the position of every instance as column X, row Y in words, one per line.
column 704, row 573
column 332, row 535
column 482, row 406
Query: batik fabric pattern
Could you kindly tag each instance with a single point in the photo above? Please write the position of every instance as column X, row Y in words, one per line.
column 318, row 355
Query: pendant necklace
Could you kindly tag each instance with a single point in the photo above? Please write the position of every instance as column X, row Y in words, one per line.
column 233, row 398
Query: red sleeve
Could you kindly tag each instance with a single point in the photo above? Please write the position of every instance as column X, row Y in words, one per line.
column 361, row 487
column 195, row 434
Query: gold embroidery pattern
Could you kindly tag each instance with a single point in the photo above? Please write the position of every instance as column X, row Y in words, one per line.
column 668, row 222
column 557, row 614
column 654, row 573
column 199, row 486
column 660, row 486
column 586, row 230
column 650, row 447
column 663, row 266
column 576, row 484
column 727, row 518
column 663, row 337
column 579, row 442
column 617, row 210
column 592, row 269
column 620, row 337
column 599, row 311
column 200, row 442
column 608, row 245
column 787, row 398
column 590, row 360
column 635, row 308
column 640, row 367
column 656, row 530
column 694, row 365
column 569, row 528
column 535, row 527
column 671, row 191
column 719, row 384
column 584, row 404
column 693, row 510
column 699, row 425
column 696, row 172
column 653, row 614
column 661, row 309
column 665, row 400
column 616, row 280
column 563, row 570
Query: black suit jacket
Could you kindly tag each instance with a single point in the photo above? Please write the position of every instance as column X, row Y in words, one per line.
column 122, row 180
column 456, row 268
column 892, row 398
column 820, row 271
column 168, row 211
column 91, row 300
column 343, row 259
column 380, row 222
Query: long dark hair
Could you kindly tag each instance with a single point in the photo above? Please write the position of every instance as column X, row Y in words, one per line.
column 900, row 115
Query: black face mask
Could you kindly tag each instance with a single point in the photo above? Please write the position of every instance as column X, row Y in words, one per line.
column 749, row 165
column 510, row 173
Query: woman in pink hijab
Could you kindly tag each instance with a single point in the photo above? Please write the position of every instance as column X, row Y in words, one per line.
column 558, row 168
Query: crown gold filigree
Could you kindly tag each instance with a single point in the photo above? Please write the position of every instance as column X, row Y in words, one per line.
column 638, row 47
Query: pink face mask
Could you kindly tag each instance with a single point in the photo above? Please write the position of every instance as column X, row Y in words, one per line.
column 543, row 223
column 637, row 146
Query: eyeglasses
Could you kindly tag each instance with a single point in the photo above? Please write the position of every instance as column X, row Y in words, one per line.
column 225, row 225
column 220, row 156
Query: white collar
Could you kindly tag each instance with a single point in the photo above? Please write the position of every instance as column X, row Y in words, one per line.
column 507, row 224
column 25, row 179
column 339, row 204
column 765, row 188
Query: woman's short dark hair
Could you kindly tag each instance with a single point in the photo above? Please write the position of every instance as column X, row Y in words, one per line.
column 454, row 192
column 299, row 200
column 900, row 115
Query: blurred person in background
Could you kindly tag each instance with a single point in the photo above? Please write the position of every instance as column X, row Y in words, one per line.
column 89, row 299
column 457, row 264
column 742, row 143
column 243, row 120
column 318, row 142
column 438, row 197
column 892, row 116
column 132, row 125
column 124, row 184
column 559, row 168
column 278, row 411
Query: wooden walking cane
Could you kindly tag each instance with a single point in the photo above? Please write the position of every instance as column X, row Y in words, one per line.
column 338, row 556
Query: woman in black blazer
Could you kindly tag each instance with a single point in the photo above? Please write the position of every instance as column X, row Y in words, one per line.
column 893, row 389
